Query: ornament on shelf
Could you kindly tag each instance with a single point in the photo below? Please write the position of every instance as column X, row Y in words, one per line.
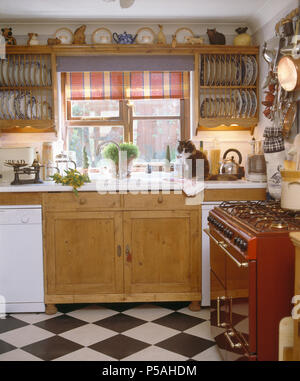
column 161, row 38
column 32, row 39
column 243, row 38
column 79, row 36
column 7, row 34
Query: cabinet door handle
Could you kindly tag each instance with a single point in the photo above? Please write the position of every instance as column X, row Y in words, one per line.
column 119, row 251
column 128, row 254
column 160, row 199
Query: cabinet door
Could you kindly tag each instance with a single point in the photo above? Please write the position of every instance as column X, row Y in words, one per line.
column 84, row 253
column 162, row 252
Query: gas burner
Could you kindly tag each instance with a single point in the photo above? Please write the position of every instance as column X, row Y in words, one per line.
column 279, row 225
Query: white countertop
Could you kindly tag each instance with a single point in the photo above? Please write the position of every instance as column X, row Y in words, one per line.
column 137, row 182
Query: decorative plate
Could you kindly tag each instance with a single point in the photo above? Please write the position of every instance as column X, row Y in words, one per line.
column 249, row 103
column 222, row 71
column 212, row 70
column 244, row 103
column 255, row 70
column 65, row 35
column 253, row 103
column 4, row 73
column 102, row 36
column 228, row 70
column 145, row 36
column 182, row 35
column 206, row 71
column 238, row 103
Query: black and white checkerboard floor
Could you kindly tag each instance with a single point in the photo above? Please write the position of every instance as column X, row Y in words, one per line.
column 109, row 332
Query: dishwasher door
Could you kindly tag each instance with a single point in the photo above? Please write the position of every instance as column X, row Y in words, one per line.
column 206, row 207
column 21, row 259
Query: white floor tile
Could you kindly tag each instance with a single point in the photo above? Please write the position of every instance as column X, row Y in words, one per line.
column 85, row 354
column 18, row 355
column 92, row 313
column 150, row 333
column 203, row 313
column 148, row 312
column 33, row 318
column 211, row 354
column 88, row 334
column 26, row 335
column 155, row 354
column 201, row 330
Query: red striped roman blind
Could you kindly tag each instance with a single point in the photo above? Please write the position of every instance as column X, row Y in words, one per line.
column 127, row 85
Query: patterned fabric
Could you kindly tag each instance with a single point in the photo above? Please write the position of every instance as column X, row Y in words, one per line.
column 127, row 85
column 274, row 141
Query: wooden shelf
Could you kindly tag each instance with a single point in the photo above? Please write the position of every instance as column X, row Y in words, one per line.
column 39, row 124
column 25, row 88
column 226, row 124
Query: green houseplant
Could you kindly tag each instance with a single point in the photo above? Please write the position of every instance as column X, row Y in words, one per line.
column 111, row 152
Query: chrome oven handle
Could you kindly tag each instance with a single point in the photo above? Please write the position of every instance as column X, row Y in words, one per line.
column 223, row 246
column 219, row 324
column 231, row 343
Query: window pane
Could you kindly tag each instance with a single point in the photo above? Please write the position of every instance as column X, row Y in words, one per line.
column 90, row 137
column 94, row 109
column 156, row 107
column 153, row 136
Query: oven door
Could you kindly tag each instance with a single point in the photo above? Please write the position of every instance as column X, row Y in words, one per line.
column 240, row 293
column 232, row 329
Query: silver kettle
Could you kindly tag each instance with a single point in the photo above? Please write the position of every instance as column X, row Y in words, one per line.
column 230, row 166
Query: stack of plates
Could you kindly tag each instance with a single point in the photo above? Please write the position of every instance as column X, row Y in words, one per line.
column 23, row 105
column 237, row 104
column 222, row 70
column 24, row 73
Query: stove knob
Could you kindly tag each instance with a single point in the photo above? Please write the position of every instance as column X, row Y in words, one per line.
column 230, row 234
column 237, row 241
column 244, row 245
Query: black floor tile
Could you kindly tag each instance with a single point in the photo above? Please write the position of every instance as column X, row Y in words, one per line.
column 120, row 307
column 60, row 324
column 120, row 322
column 172, row 305
column 52, row 348
column 186, row 345
column 10, row 323
column 65, row 308
column 119, row 346
column 179, row 321
column 5, row 347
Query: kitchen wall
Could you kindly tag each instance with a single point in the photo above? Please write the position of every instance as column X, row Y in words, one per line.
column 239, row 139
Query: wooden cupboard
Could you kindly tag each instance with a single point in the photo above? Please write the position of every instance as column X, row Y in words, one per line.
column 120, row 254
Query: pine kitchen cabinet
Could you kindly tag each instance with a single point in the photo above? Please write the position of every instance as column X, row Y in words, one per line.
column 112, row 248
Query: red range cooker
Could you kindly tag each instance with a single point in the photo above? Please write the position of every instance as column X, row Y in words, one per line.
column 252, row 272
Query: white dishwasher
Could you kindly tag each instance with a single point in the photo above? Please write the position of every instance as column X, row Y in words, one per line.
column 21, row 259
column 206, row 207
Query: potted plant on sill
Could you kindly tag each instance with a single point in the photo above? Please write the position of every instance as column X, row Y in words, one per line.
column 111, row 152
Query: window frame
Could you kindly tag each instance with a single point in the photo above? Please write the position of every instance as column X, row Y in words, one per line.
column 125, row 118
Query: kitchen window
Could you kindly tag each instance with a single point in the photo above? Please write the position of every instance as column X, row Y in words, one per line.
column 150, row 109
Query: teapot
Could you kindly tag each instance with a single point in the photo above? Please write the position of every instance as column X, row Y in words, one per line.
column 124, row 38
column 230, row 166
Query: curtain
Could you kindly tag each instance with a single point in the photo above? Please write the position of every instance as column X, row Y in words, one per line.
column 127, row 85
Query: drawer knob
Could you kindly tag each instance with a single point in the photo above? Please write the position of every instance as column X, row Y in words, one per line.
column 82, row 201
column 160, row 199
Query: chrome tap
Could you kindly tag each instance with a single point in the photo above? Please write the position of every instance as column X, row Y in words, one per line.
column 120, row 167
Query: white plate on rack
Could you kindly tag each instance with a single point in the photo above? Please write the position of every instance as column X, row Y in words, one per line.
column 212, row 70
column 255, row 70
column 222, row 71
column 4, row 68
column 254, row 103
column 244, row 108
column 249, row 103
column 206, row 71
column 238, row 102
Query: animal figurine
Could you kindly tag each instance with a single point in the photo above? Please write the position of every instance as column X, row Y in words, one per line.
column 161, row 38
column 79, row 36
column 174, row 41
column 7, row 34
column 53, row 41
column 243, row 38
column 32, row 39
column 193, row 40
column 215, row 38
column 188, row 150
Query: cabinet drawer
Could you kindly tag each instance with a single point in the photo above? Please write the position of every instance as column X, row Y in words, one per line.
column 84, row 201
column 155, row 201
